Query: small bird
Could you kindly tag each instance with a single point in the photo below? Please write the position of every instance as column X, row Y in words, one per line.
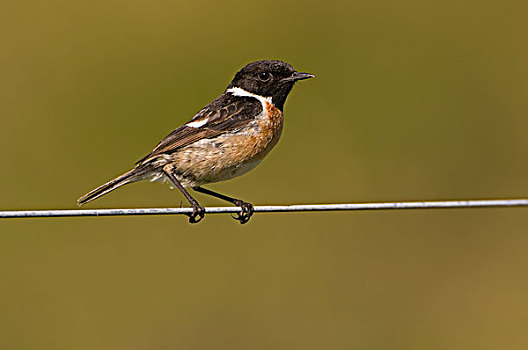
column 227, row 138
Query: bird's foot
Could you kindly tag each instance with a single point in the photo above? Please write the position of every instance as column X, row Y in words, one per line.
column 245, row 214
column 197, row 214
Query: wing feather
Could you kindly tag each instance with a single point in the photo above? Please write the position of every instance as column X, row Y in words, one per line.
column 227, row 113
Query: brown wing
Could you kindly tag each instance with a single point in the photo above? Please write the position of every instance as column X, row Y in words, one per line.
column 227, row 113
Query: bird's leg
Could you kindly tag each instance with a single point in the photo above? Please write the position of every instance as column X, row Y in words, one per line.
column 247, row 208
column 198, row 211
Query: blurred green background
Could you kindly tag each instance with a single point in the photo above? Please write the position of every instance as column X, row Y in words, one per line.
column 413, row 100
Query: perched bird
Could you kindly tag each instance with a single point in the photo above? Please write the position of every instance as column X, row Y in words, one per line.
column 227, row 138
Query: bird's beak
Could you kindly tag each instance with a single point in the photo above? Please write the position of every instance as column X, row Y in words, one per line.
column 298, row 76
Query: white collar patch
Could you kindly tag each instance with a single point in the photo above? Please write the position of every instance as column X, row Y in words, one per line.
column 236, row 91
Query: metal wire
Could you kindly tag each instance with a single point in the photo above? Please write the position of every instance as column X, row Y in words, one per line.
column 494, row 203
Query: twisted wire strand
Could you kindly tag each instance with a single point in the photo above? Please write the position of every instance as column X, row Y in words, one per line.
column 451, row 204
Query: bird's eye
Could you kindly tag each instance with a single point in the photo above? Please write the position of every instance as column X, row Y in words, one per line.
column 264, row 76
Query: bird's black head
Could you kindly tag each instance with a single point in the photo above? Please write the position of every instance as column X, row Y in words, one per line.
column 268, row 78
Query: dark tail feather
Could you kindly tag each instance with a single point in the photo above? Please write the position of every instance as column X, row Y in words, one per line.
column 128, row 177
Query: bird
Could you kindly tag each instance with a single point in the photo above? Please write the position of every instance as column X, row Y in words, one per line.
column 227, row 138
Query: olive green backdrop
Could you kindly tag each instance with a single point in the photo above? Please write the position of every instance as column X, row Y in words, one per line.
column 413, row 100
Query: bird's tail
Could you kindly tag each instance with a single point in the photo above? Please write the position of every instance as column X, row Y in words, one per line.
column 133, row 175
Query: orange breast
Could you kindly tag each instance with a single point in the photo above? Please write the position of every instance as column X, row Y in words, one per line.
column 270, row 130
column 232, row 154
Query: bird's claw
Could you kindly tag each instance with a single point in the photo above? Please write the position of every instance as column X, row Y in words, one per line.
column 197, row 214
column 245, row 214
